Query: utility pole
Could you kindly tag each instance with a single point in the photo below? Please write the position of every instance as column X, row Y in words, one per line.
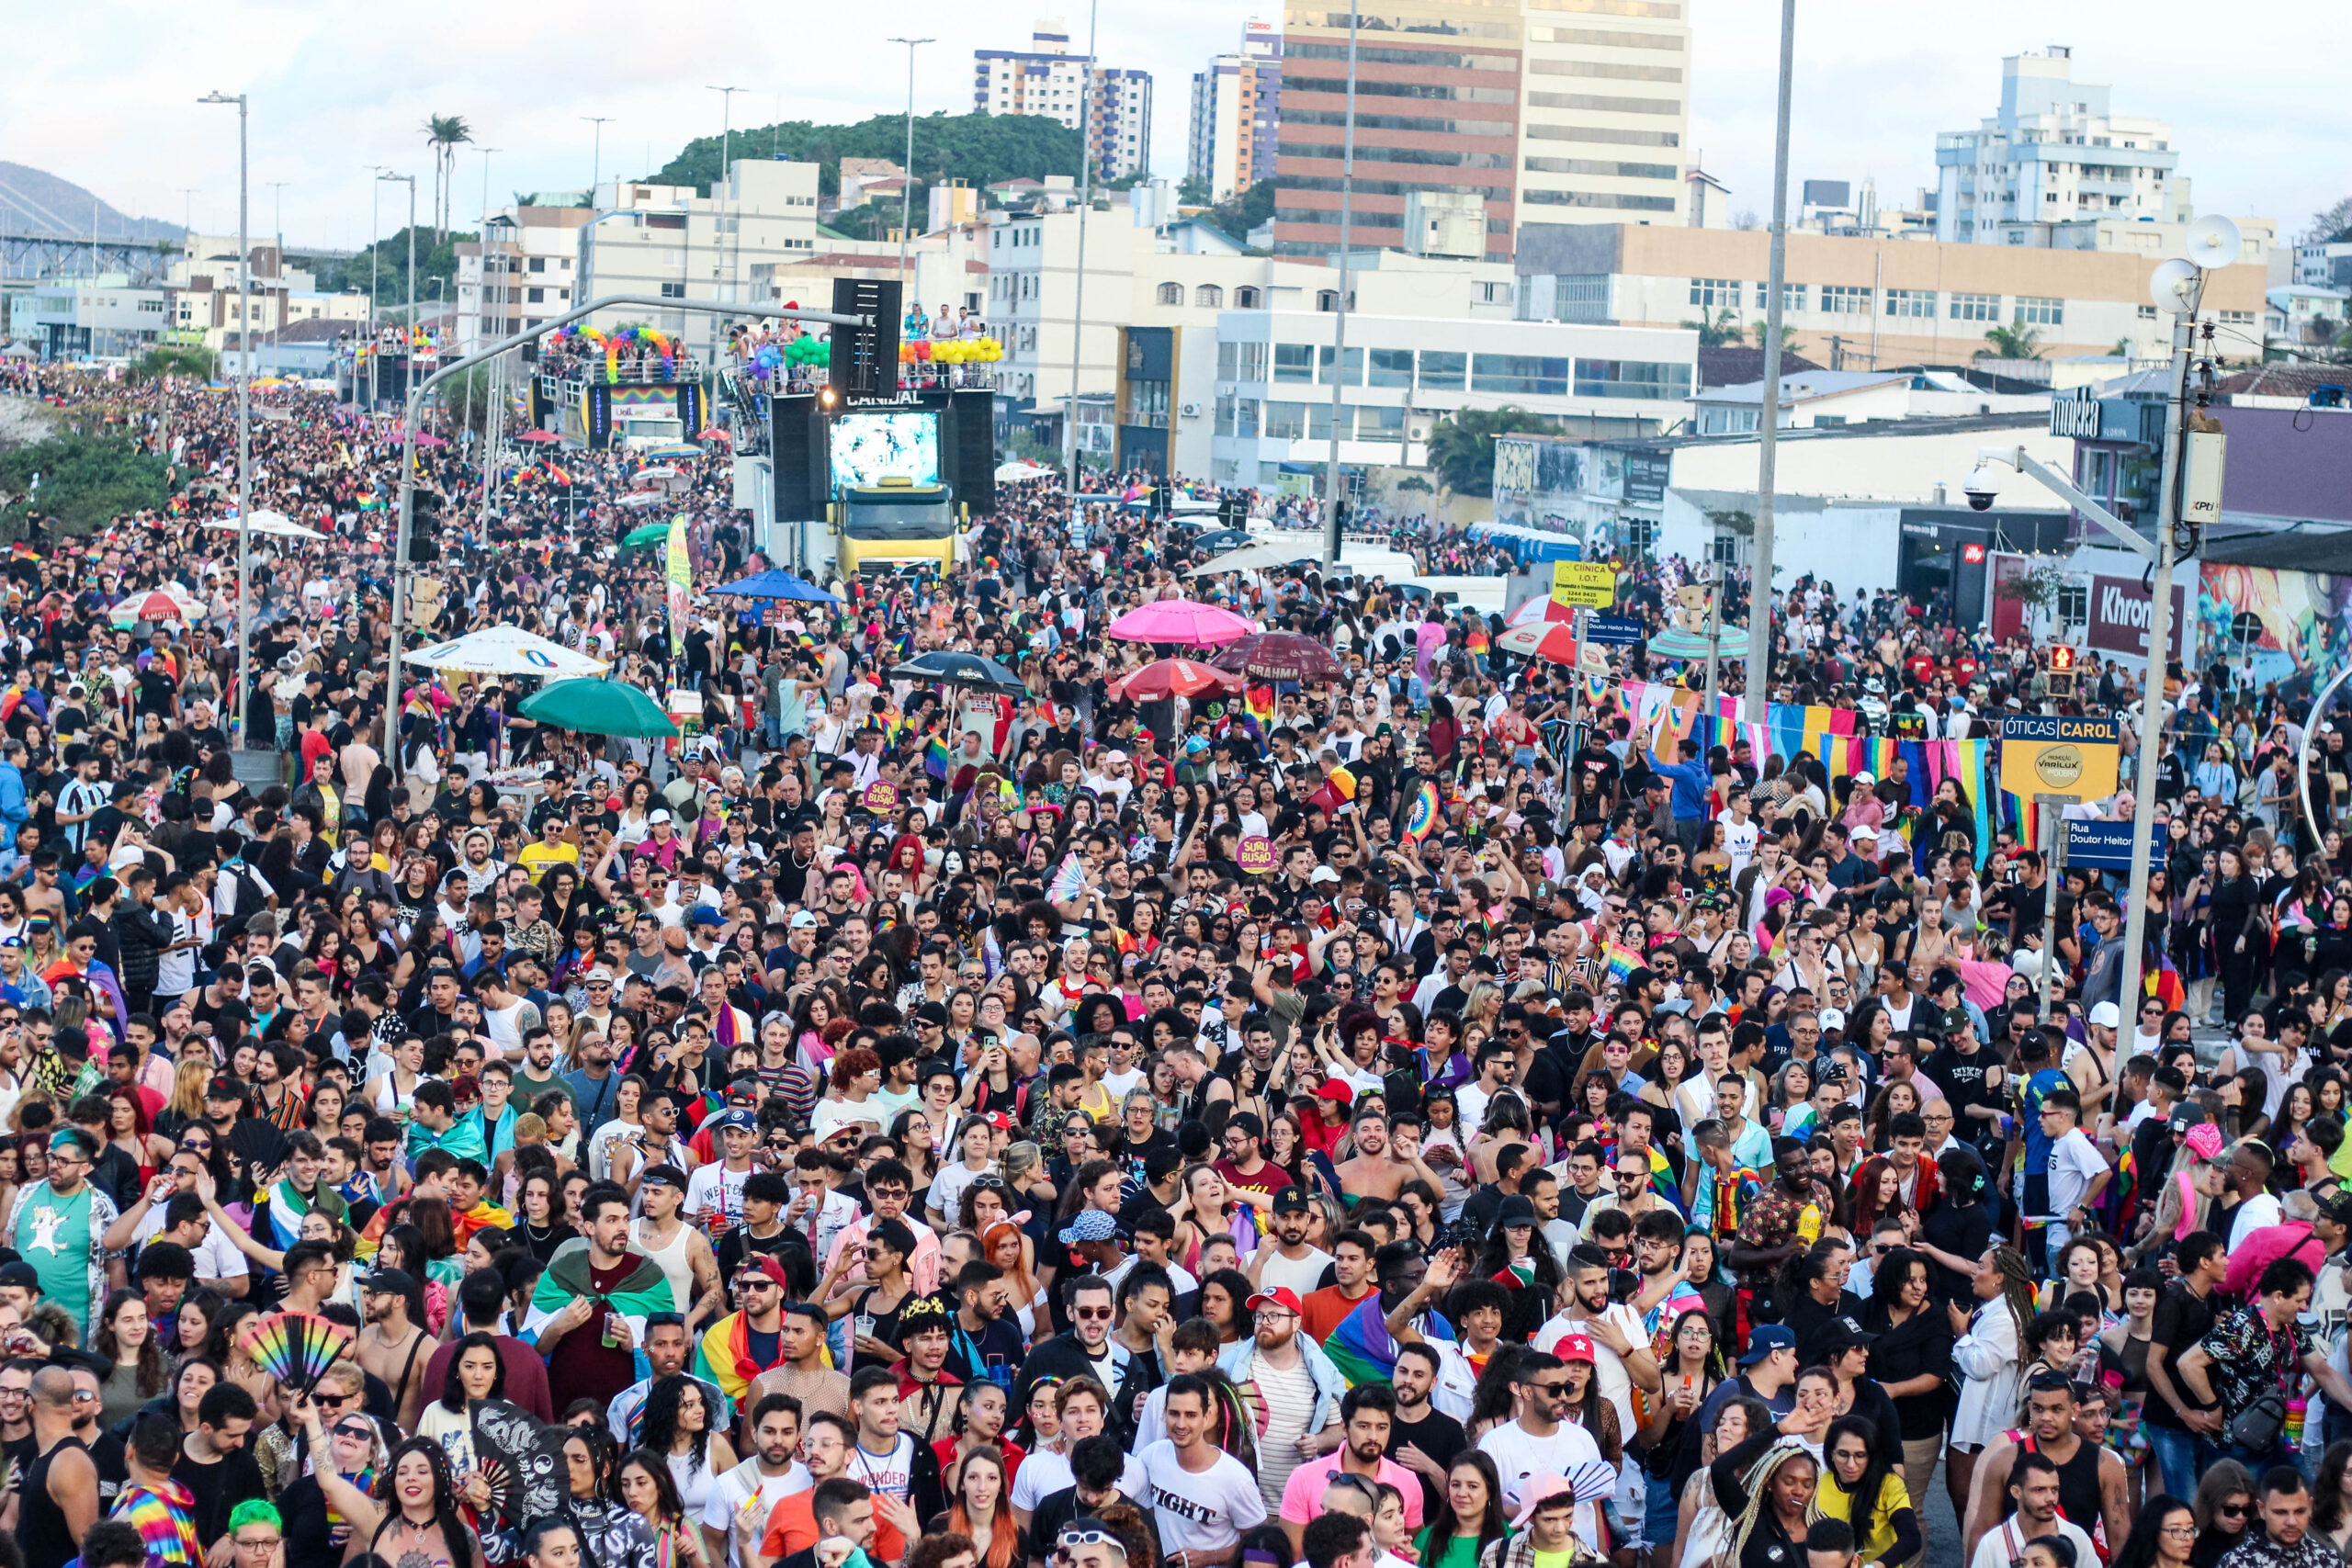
column 1085, row 205
column 1759, row 586
column 495, row 425
column 245, row 434
column 596, row 166
column 730, row 248
column 277, row 228
column 1331, row 503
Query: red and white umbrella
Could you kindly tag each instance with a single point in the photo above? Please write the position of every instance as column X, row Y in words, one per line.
column 1555, row 641
column 1540, row 609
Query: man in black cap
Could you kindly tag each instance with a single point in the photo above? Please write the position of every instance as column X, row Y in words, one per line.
column 1291, row 1263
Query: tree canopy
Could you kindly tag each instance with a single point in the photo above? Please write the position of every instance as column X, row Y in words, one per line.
column 980, row 149
column 436, row 256
column 85, row 481
column 1461, row 445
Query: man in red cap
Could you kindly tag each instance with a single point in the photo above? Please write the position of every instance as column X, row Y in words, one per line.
column 749, row 1341
column 1297, row 1387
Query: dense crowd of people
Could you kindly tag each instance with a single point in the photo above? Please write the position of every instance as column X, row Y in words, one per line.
column 1431, row 1117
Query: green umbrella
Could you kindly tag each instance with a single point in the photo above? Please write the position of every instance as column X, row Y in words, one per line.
column 645, row 534
column 590, row 706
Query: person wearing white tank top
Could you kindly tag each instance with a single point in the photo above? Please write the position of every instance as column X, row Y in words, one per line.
column 680, row 1251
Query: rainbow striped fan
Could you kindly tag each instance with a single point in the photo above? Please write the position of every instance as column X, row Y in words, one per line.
column 294, row 1347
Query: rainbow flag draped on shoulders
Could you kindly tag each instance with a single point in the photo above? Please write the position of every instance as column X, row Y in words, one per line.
column 1363, row 1350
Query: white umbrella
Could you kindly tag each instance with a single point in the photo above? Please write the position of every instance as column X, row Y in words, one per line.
column 1258, row 558
column 506, row 650
column 637, row 499
column 277, row 524
column 1020, row 470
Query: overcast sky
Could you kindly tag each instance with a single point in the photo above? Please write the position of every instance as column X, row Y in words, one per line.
column 110, row 103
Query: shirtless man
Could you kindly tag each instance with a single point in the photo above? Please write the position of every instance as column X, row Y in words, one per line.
column 1379, row 1170
column 391, row 1347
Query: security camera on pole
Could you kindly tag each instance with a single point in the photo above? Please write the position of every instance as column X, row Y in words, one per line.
column 2189, row 498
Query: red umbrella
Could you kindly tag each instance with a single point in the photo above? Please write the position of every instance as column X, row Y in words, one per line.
column 539, row 437
column 715, row 433
column 1165, row 678
column 1555, row 641
column 1280, row 656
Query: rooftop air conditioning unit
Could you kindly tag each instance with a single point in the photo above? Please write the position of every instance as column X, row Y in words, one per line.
column 1191, row 410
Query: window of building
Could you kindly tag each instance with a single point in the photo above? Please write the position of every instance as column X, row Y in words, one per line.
column 1319, row 422
column 1728, row 422
column 2237, row 318
column 2075, row 602
column 1521, row 375
column 1713, row 291
column 2033, row 312
column 1582, row 297
column 1843, row 300
column 1631, row 379
column 538, row 264
column 1228, row 361
column 1917, row 302
column 1245, row 417
column 1245, row 298
column 1172, row 294
column 674, row 292
column 1354, row 369
column 1285, row 421
column 535, row 296
column 1391, row 367
column 1294, row 362
column 1380, row 424
column 1443, row 370
column 1208, row 296
column 1974, row 308
column 1792, row 297
column 1252, row 367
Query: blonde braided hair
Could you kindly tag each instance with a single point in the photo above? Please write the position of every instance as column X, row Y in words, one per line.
column 1758, row 1483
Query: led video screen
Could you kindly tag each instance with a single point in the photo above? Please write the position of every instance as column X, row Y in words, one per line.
column 870, row 447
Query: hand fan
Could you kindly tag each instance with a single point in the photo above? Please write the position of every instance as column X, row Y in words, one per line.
column 294, row 1347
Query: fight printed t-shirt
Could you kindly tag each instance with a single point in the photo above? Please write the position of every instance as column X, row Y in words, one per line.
column 1206, row 1512
column 890, row 1474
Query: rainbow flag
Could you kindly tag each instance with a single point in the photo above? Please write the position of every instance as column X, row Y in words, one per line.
column 1363, row 1350
column 934, row 758
column 1258, row 702
column 23, row 551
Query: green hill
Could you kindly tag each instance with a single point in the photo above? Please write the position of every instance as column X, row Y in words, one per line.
column 980, row 149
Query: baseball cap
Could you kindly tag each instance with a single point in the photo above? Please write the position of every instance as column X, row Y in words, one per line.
column 654, row 816
column 382, row 1281
column 737, row 1120
column 1575, row 1347
column 1291, row 1200
column 1333, row 1088
column 1832, row 1018
column 1535, row 1491
column 1840, row 1333
column 597, row 977
column 1281, row 1296
column 224, row 1088
column 1765, row 1339
column 704, row 915
column 1089, row 1224
column 2107, row 1015
column 23, row 1276
column 804, row 920
column 766, row 1266
column 1322, row 874
column 1515, row 1211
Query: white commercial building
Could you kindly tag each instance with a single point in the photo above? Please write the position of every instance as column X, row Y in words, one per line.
column 1276, row 371
column 1048, row 79
column 106, row 317
column 523, row 275
column 668, row 242
column 1821, row 399
column 2054, row 154
column 1236, row 105
column 1605, row 115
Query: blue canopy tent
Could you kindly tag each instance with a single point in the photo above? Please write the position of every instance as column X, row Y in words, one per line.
column 1529, row 545
column 776, row 584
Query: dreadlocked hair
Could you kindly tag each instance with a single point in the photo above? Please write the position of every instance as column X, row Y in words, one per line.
column 2017, row 1286
column 1759, row 1485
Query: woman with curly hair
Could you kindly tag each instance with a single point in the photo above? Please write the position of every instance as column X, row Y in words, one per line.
column 1990, row 1355
column 855, row 1079
column 679, row 1427
column 413, row 1512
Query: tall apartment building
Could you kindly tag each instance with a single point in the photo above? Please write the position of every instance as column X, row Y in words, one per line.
column 1048, row 79
column 1551, row 111
column 1237, row 112
column 2054, row 153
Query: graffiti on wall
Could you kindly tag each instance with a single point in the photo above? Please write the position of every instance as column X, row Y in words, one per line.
column 2290, row 623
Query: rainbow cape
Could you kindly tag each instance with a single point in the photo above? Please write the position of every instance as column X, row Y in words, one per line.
column 1363, row 1350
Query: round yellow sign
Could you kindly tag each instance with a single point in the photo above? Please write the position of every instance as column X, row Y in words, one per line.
column 2058, row 768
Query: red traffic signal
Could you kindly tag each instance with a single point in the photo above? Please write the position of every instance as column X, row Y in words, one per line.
column 2062, row 658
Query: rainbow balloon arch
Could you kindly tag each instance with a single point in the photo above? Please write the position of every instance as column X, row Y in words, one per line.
column 643, row 343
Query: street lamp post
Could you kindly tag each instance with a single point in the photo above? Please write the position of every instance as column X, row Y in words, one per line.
column 729, row 250
column 1760, row 575
column 244, row 433
column 906, row 177
column 1339, row 324
column 1085, row 205
column 596, row 166
column 277, row 228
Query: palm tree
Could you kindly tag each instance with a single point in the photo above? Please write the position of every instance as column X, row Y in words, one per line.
column 1461, row 445
column 1720, row 332
column 2012, row 343
column 443, row 132
column 1763, row 333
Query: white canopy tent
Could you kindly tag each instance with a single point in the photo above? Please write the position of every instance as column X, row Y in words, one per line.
column 505, row 650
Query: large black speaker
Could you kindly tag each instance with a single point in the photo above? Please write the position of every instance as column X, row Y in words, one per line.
column 803, row 478
column 866, row 359
column 971, row 449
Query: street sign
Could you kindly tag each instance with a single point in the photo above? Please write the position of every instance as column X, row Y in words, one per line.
column 1613, row 629
column 1584, row 584
column 2108, row 845
column 2062, row 756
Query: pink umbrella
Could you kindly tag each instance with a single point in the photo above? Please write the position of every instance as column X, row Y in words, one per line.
column 1183, row 622
column 430, row 441
column 539, row 437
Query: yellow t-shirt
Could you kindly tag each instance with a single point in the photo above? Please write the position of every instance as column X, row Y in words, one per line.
column 1832, row 1502
column 540, row 854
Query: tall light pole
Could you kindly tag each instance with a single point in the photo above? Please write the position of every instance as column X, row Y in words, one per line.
column 375, row 241
column 1759, row 576
column 596, row 166
column 408, row 342
column 277, row 232
column 729, row 255
column 188, row 210
column 907, row 178
column 1340, row 326
column 497, row 378
column 244, row 433
column 1085, row 205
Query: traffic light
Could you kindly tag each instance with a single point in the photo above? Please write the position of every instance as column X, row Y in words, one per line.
column 2061, row 669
